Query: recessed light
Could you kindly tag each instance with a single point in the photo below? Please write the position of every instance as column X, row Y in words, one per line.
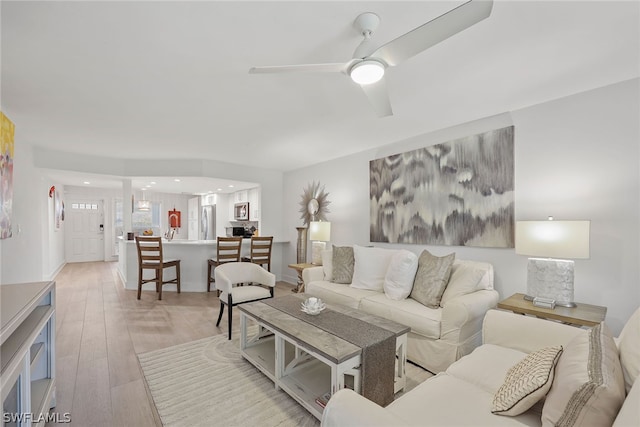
column 153, row 183
column 176, row 180
column 230, row 185
column 219, row 189
column 143, row 189
column 87, row 183
column 148, row 186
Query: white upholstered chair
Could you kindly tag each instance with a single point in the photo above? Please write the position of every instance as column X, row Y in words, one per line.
column 258, row 285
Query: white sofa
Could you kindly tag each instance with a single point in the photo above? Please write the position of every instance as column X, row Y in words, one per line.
column 463, row 394
column 438, row 337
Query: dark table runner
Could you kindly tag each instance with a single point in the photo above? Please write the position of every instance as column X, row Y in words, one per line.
column 378, row 345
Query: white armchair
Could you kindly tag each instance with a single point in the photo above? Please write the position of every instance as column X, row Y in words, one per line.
column 258, row 285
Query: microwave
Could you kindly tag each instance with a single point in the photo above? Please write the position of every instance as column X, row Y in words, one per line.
column 241, row 211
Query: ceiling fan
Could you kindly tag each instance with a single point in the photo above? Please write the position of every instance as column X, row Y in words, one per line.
column 368, row 65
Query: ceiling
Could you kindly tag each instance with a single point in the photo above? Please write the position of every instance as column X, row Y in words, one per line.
column 169, row 80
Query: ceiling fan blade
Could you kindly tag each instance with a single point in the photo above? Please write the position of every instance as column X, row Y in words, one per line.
column 434, row 31
column 378, row 97
column 304, row 68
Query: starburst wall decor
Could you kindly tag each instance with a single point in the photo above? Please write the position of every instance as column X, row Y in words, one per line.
column 313, row 206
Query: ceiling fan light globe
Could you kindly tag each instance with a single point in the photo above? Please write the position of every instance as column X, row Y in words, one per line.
column 367, row 72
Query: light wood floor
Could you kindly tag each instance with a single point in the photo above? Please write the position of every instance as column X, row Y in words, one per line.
column 100, row 329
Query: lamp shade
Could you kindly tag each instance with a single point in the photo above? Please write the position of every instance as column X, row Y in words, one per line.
column 553, row 239
column 144, row 205
column 320, row 231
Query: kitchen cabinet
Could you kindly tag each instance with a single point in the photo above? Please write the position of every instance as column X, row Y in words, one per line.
column 241, row 196
column 193, row 222
column 27, row 352
column 254, row 203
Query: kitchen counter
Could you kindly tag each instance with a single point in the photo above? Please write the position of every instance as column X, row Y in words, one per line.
column 193, row 256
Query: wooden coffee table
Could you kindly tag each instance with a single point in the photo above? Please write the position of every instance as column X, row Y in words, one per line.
column 305, row 361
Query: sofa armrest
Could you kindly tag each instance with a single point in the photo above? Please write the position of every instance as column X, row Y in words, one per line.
column 629, row 414
column 346, row 408
column 463, row 310
column 312, row 274
column 525, row 333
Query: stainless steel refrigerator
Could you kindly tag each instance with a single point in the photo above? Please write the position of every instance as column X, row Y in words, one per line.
column 208, row 223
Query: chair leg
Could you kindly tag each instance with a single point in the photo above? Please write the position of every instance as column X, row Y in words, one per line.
column 139, row 282
column 160, row 281
column 220, row 314
column 208, row 276
column 178, row 275
column 229, row 315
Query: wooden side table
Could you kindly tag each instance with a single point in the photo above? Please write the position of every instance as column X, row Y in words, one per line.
column 298, row 268
column 582, row 315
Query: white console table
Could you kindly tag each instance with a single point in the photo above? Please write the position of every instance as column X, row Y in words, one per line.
column 27, row 352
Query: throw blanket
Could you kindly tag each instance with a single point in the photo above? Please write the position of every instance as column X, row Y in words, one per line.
column 378, row 345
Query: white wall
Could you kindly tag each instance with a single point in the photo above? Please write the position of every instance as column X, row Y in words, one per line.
column 576, row 158
column 53, row 256
column 22, row 259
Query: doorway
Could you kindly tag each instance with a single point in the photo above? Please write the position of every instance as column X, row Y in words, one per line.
column 84, row 232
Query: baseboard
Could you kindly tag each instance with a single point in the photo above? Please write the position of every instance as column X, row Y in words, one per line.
column 56, row 271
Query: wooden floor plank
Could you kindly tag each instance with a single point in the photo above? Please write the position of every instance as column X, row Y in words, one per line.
column 101, row 327
column 131, row 407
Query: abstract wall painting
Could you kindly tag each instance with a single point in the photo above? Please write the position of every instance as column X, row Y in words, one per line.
column 458, row 193
column 7, row 129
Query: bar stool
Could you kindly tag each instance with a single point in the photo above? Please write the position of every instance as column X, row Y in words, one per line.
column 150, row 258
column 260, row 251
column 227, row 250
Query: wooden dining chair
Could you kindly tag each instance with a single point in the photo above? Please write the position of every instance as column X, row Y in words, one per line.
column 260, row 251
column 150, row 258
column 227, row 250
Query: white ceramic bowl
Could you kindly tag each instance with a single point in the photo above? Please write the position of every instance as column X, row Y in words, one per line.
column 311, row 308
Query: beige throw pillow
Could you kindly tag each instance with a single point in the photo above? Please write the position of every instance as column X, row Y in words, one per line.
column 342, row 264
column 431, row 278
column 589, row 386
column 526, row 382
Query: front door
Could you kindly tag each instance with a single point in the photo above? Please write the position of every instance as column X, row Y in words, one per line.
column 84, row 231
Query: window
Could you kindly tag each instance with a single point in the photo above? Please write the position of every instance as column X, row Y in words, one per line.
column 85, row 206
column 147, row 220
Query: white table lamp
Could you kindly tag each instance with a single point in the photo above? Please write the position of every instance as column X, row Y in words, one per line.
column 319, row 234
column 559, row 242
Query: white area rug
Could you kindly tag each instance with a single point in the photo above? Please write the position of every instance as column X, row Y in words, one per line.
column 208, row 383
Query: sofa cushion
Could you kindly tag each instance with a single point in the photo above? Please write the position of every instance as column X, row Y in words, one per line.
column 589, row 385
column 398, row 281
column 327, row 264
column 370, row 267
column 422, row 320
column 495, row 362
column 628, row 345
column 526, row 382
column 343, row 263
column 338, row 293
column 431, row 278
column 467, row 277
column 445, row 400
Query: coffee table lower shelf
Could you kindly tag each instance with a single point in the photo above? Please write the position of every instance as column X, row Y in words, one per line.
column 302, row 373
